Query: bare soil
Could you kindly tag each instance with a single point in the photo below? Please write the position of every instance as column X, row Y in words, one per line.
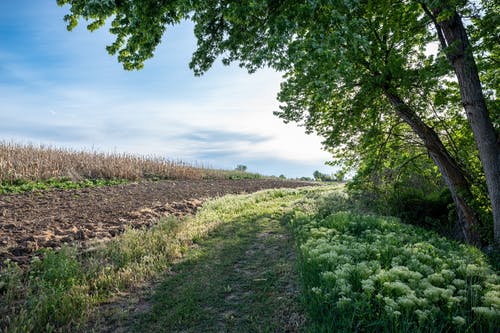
column 49, row 219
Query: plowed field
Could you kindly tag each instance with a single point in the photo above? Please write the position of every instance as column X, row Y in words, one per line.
column 35, row 220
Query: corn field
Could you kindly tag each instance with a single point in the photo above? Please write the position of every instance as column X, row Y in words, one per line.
column 32, row 162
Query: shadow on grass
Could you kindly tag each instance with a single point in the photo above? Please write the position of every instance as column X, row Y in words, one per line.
column 239, row 279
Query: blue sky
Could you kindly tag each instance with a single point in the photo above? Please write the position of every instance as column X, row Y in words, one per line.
column 61, row 88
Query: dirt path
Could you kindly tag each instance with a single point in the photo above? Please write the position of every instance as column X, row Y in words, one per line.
column 241, row 279
column 36, row 220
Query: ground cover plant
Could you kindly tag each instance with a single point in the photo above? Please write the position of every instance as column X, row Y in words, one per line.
column 20, row 185
column 365, row 273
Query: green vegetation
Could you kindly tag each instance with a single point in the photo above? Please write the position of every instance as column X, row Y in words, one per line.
column 242, row 278
column 241, row 167
column 230, row 267
column 236, row 174
column 20, row 185
column 372, row 273
column 338, row 177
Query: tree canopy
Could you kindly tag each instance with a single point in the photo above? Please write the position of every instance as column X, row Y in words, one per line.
column 360, row 73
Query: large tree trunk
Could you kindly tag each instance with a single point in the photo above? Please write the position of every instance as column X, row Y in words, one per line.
column 448, row 167
column 454, row 40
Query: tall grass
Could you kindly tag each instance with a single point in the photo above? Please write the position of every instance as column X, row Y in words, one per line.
column 34, row 163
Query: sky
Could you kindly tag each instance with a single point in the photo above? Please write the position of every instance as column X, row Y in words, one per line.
column 63, row 89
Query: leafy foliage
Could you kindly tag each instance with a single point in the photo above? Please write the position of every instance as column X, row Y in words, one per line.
column 241, row 167
column 20, row 185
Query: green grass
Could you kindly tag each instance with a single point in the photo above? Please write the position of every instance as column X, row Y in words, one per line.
column 21, row 185
column 241, row 278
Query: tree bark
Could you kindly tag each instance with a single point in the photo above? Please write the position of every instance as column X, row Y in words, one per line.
column 453, row 175
column 455, row 42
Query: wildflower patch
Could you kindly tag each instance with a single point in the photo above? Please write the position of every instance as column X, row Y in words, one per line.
column 371, row 273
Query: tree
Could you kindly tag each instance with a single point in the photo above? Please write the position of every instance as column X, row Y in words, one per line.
column 241, row 167
column 348, row 65
column 454, row 40
column 317, row 175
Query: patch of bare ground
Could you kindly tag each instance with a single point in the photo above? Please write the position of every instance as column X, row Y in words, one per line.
column 48, row 219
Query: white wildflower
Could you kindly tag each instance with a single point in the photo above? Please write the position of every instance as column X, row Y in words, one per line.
column 488, row 313
column 422, row 315
column 457, row 320
column 492, row 299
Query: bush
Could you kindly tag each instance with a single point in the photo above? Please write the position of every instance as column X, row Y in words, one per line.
column 434, row 210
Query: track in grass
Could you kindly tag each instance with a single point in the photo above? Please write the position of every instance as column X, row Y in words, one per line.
column 241, row 279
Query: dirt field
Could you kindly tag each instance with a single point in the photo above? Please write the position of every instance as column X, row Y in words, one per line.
column 36, row 220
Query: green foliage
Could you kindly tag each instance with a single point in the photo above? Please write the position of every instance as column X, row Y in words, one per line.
column 232, row 174
column 340, row 60
column 22, row 185
column 318, row 176
column 55, row 291
column 414, row 198
column 371, row 273
column 428, row 210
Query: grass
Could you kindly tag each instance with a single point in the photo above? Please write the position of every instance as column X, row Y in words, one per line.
column 59, row 292
column 241, row 278
column 40, row 165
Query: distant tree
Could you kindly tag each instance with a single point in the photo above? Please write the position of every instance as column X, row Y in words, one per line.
column 322, row 177
column 339, row 176
column 317, row 175
column 241, row 167
column 282, row 177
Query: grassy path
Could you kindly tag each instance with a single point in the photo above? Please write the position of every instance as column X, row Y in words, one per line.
column 240, row 279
